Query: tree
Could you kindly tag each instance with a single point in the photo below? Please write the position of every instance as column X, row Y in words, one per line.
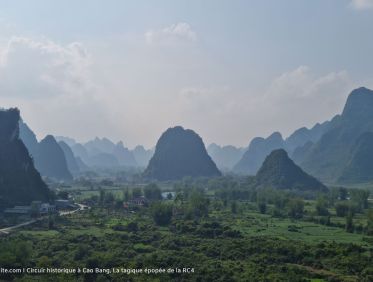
column 23, row 252
column 109, row 198
column 262, row 207
column 44, row 261
column 279, row 201
column 234, row 207
column 132, row 226
column 152, row 192
column 51, row 221
column 342, row 208
column 349, row 223
column 322, row 206
column 126, row 195
column 198, row 204
column 162, row 213
column 296, row 208
column 369, row 228
column 343, row 193
column 360, row 198
column 102, row 196
column 333, row 195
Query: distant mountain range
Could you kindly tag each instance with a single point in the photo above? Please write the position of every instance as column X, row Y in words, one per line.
column 342, row 153
column 225, row 157
column 260, row 147
column 336, row 151
column 103, row 153
column 66, row 158
column 179, row 153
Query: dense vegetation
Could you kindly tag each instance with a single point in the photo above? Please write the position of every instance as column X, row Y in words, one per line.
column 224, row 228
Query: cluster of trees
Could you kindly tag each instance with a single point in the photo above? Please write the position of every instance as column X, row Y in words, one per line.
column 189, row 205
column 347, row 203
column 191, row 201
column 284, row 203
column 109, row 199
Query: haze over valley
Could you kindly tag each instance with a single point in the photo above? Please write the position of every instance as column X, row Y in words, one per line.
column 186, row 140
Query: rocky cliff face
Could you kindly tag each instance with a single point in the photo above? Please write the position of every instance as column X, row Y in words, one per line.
column 179, row 153
column 20, row 182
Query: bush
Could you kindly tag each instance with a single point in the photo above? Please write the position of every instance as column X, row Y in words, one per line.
column 162, row 213
column 342, row 209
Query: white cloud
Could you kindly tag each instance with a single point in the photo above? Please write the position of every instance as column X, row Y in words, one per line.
column 32, row 68
column 362, row 4
column 53, row 86
column 299, row 97
column 292, row 100
column 173, row 33
column 63, row 90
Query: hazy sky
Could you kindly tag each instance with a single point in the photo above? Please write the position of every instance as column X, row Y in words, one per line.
column 231, row 70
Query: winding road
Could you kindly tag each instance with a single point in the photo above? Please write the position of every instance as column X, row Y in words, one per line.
column 7, row 230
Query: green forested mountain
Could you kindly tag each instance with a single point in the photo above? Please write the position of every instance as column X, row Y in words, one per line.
column 336, row 155
column 180, row 152
column 20, row 182
column 280, row 172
